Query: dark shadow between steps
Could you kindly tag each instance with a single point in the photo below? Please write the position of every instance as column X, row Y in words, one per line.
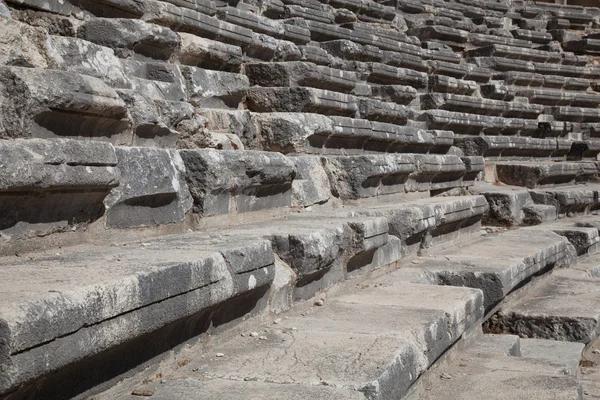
column 99, row 372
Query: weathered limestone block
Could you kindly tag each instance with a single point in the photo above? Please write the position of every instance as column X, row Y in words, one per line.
column 190, row 21
column 440, row 33
column 207, row 53
column 398, row 94
column 474, row 123
column 517, row 53
column 535, row 36
column 98, row 305
column 291, row 132
column 355, row 177
column 375, row 110
column 291, row 74
column 506, row 207
column 532, row 175
column 311, row 252
column 154, row 121
column 64, row 8
column 156, row 80
column 256, row 23
column 4, row 12
column 560, row 98
column 447, row 84
column 301, row 99
column 455, row 102
column 498, row 91
column 567, row 83
column 509, row 146
column 207, row 7
column 153, row 190
column 386, row 75
column 53, row 185
column 215, row 89
column 311, row 185
column 324, row 14
column 474, row 166
column 228, row 181
column 568, row 201
column 348, row 50
column 22, row 45
column 436, row 172
column 50, row 103
column 130, row 35
column 575, row 114
column 86, row 58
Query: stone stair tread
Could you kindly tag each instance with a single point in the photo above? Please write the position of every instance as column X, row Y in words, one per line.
column 194, row 388
column 505, row 377
column 377, row 342
column 561, row 308
column 496, row 264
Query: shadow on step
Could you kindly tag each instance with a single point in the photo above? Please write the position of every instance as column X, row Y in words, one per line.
column 94, row 374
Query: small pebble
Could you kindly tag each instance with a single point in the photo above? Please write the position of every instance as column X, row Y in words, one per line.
column 445, row 376
column 254, row 334
column 262, row 338
column 277, row 321
column 219, row 355
column 319, row 303
column 483, row 232
column 596, row 351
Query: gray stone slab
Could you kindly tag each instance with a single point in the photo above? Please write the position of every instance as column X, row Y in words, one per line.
column 153, row 189
column 130, row 35
column 301, row 99
column 330, row 347
column 498, row 264
column 503, row 377
column 223, row 389
column 210, row 54
column 292, row 74
column 109, row 295
column 562, row 308
column 53, row 185
column 228, row 181
column 214, row 89
column 58, row 104
column 532, row 175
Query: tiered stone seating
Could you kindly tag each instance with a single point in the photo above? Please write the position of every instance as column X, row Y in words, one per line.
column 173, row 168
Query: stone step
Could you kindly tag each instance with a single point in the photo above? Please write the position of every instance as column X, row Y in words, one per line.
column 364, row 176
column 563, row 307
column 301, row 99
column 296, row 133
column 143, row 288
column 528, row 79
column 496, row 264
column 502, row 147
column 537, row 174
column 474, row 105
column 517, row 53
column 446, row 84
column 560, row 98
column 504, row 366
column 293, row 74
column 475, row 124
column 396, row 340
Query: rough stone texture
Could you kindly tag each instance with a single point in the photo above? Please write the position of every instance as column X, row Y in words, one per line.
column 503, row 376
column 230, row 181
column 153, row 189
column 311, row 185
column 114, row 294
column 53, row 185
column 48, row 103
column 347, row 136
